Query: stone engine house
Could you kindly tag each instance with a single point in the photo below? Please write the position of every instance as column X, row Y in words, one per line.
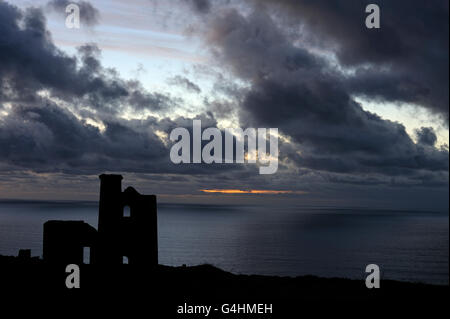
column 118, row 236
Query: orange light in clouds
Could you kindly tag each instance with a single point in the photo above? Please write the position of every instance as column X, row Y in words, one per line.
column 251, row 191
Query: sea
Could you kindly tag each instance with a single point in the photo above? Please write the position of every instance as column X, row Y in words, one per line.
column 292, row 241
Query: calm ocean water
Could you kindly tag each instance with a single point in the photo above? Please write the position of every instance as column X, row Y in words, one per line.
column 409, row 246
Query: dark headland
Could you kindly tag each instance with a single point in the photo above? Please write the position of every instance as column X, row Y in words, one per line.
column 162, row 289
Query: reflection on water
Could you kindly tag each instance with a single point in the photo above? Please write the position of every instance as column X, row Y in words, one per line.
column 410, row 246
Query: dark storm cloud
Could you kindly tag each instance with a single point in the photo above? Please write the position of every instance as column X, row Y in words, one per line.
column 426, row 136
column 52, row 97
column 433, row 180
column 202, row 6
column 48, row 138
column 89, row 15
column 407, row 58
column 30, row 62
column 45, row 137
column 185, row 83
column 298, row 92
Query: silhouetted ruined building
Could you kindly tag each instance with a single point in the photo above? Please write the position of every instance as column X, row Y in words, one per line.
column 134, row 237
column 24, row 254
column 64, row 241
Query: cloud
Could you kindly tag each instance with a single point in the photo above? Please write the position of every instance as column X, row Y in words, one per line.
column 405, row 60
column 185, row 83
column 28, row 52
column 47, row 138
column 309, row 101
column 65, row 113
column 426, row 136
column 202, row 6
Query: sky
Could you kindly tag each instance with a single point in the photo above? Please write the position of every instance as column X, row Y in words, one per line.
column 362, row 113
